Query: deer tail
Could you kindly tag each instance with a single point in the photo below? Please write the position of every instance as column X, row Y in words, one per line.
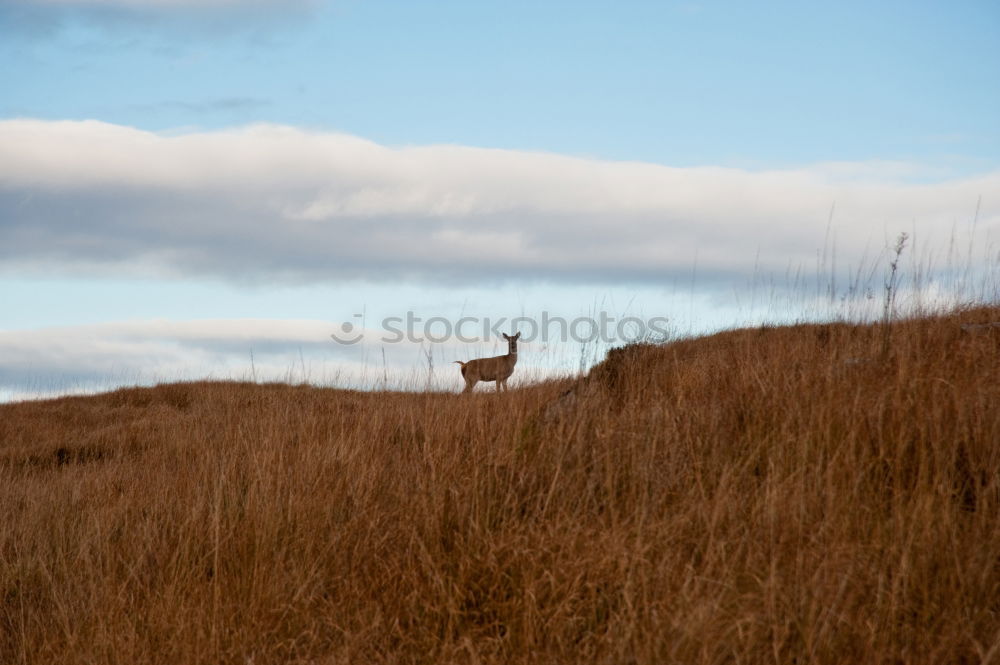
column 460, row 363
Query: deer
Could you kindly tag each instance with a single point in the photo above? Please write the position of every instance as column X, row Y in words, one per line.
column 498, row 368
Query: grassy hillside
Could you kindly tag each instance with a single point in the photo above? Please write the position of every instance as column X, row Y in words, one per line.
column 768, row 495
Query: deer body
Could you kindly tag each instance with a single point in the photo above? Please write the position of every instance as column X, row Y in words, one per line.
column 498, row 368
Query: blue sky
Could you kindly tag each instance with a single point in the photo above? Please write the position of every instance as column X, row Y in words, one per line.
column 260, row 161
column 730, row 83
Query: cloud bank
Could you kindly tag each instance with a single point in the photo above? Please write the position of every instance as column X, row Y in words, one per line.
column 84, row 355
column 278, row 203
column 97, row 357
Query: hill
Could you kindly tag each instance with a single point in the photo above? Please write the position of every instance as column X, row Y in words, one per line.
column 813, row 493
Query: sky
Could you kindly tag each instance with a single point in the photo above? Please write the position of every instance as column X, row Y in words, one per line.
column 213, row 188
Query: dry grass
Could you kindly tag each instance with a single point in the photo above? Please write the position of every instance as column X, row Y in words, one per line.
column 769, row 495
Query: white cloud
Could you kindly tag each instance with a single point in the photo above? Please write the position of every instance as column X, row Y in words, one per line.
column 103, row 356
column 265, row 202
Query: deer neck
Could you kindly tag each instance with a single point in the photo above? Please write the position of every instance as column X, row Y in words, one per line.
column 512, row 353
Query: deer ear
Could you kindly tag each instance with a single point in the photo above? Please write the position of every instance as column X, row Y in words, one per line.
column 517, row 336
column 505, row 336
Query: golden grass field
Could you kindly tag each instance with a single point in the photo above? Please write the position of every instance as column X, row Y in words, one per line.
column 768, row 495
